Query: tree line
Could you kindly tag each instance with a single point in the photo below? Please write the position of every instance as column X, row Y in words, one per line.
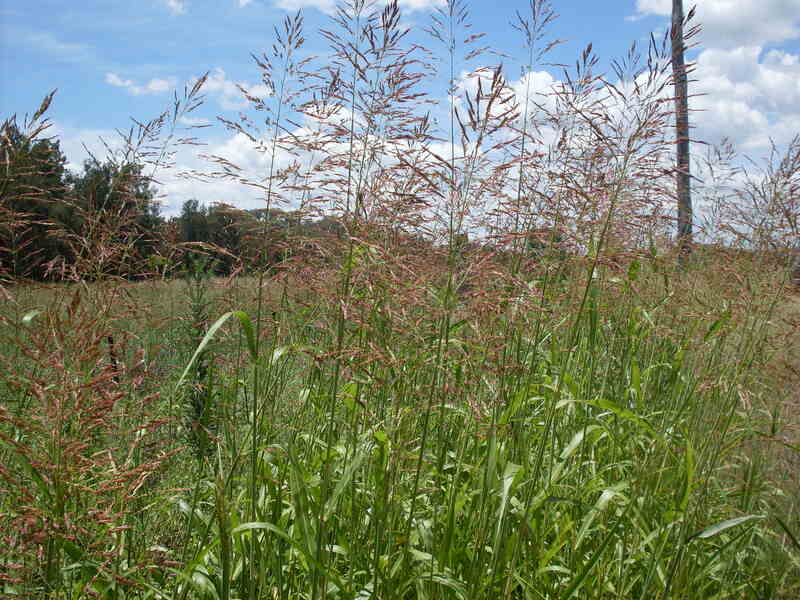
column 105, row 220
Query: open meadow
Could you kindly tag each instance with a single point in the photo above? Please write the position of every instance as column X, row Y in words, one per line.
column 455, row 357
column 628, row 442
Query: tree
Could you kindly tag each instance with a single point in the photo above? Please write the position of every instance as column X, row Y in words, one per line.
column 193, row 222
column 680, row 77
column 227, row 228
column 33, row 214
column 120, row 223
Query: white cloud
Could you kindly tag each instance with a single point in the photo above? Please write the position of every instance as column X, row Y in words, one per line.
column 193, row 122
column 218, row 83
column 157, row 86
column 114, row 79
column 229, row 95
column 731, row 23
column 176, row 189
column 743, row 90
column 154, row 86
column 537, row 87
column 326, row 6
column 413, row 5
column 176, row 7
column 240, row 151
column 329, row 6
column 243, row 3
column 747, row 95
column 59, row 50
column 75, row 142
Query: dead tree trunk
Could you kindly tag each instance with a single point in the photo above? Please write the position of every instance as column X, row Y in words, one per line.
column 683, row 175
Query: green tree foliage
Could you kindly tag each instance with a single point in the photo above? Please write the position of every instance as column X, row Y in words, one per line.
column 105, row 220
column 55, row 224
column 193, row 222
column 243, row 239
column 228, row 229
column 119, row 219
column 33, row 214
column 210, row 232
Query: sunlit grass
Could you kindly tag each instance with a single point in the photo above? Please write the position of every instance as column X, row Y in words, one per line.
column 382, row 409
column 606, row 458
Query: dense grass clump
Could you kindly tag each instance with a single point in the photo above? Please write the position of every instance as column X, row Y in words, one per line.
column 526, row 451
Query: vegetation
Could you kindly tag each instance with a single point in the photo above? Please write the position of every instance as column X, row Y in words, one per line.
column 684, row 192
column 465, row 369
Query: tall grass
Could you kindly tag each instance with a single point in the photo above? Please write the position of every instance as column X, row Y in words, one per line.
column 567, row 415
column 611, row 458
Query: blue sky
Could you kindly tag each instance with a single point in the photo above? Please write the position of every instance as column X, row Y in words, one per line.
column 149, row 41
column 112, row 60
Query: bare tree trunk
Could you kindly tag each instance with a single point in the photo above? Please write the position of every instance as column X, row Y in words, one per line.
column 681, row 129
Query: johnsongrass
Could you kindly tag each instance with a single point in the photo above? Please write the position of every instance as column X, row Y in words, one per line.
column 612, row 456
column 392, row 411
column 600, row 465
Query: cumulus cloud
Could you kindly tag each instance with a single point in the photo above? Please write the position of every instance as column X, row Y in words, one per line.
column 227, row 91
column 77, row 143
column 413, row 5
column 326, row 6
column 236, row 148
column 748, row 95
column 728, row 23
column 154, row 86
column 744, row 87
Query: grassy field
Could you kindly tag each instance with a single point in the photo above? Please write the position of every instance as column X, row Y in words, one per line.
column 469, row 365
column 612, row 440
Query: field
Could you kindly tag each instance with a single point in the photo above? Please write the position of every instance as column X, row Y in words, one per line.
column 458, row 353
column 621, row 438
